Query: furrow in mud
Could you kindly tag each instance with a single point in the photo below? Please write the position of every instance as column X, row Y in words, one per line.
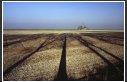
column 108, row 37
column 42, row 65
column 115, row 51
column 22, row 54
column 81, row 62
column 22, row 39
column 112, row 68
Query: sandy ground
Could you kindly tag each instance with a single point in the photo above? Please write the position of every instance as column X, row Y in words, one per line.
column 11, row 32
column 63, row 57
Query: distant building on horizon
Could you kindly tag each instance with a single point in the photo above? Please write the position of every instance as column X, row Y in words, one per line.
column 82, row 27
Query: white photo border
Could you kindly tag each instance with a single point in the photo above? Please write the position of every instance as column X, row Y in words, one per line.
column 61, row 2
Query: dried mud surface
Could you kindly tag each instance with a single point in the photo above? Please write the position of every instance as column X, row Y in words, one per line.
column 68, row 57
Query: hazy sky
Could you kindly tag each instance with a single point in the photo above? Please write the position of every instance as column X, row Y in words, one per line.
column 63, row 15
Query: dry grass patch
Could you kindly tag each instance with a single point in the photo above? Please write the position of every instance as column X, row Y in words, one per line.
column 42, row 65
column 16, row 52
column 112, row 48
column 81, row 61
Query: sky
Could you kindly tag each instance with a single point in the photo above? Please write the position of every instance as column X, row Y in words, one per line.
column 63, row 15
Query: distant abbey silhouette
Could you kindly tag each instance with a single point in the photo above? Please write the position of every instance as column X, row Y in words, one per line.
column 82, row 27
